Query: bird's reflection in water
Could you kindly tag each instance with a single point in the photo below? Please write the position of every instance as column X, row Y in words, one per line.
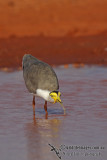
column 40, row 134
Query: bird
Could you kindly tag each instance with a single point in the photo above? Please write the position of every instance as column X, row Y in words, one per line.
column 41, row 80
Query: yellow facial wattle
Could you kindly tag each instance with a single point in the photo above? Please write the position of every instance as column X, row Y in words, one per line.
column 56, row 96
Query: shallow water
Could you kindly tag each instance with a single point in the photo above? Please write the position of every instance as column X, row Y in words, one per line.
column 25, row 137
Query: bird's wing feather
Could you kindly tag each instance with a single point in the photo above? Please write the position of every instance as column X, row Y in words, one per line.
column 39, row 75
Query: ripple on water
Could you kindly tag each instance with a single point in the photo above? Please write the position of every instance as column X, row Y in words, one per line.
column 84, row 95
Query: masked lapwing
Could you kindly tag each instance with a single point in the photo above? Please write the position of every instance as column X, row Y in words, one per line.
column 41, row 80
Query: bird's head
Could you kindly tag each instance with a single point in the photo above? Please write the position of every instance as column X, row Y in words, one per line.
column 56, row 96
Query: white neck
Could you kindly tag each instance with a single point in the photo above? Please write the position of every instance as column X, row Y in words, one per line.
column 44, row 94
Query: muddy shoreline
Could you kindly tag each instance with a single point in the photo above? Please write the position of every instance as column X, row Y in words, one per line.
column 54, row 50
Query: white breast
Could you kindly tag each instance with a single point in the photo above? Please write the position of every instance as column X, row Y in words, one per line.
column 44, row 94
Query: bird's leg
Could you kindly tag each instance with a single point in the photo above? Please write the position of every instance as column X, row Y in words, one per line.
column 45, row 107
column 33, row 104
column 46, row 115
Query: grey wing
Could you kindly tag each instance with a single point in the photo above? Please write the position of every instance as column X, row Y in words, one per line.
column 30, row 75
column 47, row 78
column 40, row 76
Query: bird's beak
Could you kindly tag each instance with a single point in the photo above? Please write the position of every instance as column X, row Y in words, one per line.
column 58, row 99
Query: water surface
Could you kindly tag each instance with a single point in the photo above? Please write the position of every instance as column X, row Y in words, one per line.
column 25, row 137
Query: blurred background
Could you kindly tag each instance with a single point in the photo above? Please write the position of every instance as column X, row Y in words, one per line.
column 70, row 35
column 56, row 31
